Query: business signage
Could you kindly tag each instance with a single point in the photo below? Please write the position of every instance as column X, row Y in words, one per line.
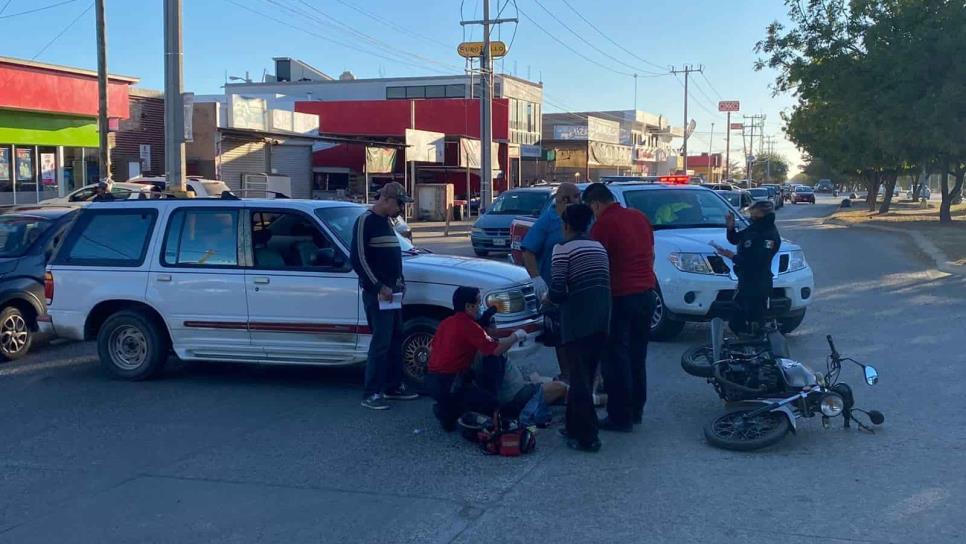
column 530, row 151
column 475, row 49
column 737, row 126
column 247, row 112
column 728, row 105
column 597, row 130
column 424, row 146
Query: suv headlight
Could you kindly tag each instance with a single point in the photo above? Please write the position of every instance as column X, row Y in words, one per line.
column 695, row 263
column 796, row 260
column 477, row 230
column 511, row 302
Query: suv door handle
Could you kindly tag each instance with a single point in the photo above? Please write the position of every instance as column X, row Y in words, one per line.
column 262, row 281
column 164, row 277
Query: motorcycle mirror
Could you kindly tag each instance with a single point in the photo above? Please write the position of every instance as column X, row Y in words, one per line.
column 871, row 376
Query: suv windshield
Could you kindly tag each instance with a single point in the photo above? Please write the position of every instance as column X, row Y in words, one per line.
column 18, row 232
column 519, row 203
column 758, row 192
column 803, row 190
column 680, row 208
column 342, row 219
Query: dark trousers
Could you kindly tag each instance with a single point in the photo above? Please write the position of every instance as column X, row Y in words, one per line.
column 625, row 367
column 750, row 310
column 456, row 394
column 384, row 365
column 582, row 357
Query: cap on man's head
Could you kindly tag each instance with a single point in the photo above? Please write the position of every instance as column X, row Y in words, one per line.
column 766, row 206
column 395, row 190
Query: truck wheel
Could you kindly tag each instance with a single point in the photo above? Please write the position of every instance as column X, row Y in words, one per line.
column 132, row 345
column 15, row 334
column 662, row 326
column 417, row 338
column 789, row 324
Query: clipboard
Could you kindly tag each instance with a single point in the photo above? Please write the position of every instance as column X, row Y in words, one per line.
column 394, row 304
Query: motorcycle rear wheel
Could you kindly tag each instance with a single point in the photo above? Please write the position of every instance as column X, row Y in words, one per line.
column 697, row 360
column 729, row 431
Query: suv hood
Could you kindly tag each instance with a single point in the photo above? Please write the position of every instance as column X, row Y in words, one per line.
column 494, row 221
column 697, row 240
column 454, row 270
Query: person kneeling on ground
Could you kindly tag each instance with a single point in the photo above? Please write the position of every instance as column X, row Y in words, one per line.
column 450, row 380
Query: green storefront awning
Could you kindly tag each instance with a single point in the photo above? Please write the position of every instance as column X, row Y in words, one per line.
column 31, row 128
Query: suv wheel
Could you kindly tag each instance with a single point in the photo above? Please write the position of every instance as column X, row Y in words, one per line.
column 15, row 334
column 417, row 337
column 662, row 326
column 132, row 345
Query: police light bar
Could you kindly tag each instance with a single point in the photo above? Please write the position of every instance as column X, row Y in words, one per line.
column 675, row 180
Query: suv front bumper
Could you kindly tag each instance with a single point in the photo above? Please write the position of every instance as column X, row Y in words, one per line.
column 486, row 242
column 711, row 296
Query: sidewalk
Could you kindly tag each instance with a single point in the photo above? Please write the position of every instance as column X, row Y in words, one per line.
column 434, row 229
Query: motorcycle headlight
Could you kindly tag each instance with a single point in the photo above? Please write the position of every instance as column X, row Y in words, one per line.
column 796, row 260
column 511, row 302
column 832, row 405
column 695, row 263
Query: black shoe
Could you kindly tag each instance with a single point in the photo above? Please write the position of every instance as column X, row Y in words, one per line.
column 607, row 425
column 563, row 432
column 375, row 402
column 575, row 444
column 400, row 393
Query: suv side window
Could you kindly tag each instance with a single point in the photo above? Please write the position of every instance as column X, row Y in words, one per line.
column 201, row 237
column 109, row 238
column 289, row 240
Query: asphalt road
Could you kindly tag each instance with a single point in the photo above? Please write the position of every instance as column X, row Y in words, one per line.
column 222, row 453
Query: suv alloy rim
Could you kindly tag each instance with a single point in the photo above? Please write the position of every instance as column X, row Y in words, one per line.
column 13, row 334
column 658, row 311
column 416, row 354
column 129, row 347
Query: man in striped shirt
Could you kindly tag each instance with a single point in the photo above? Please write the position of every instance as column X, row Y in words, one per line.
column 377, row 260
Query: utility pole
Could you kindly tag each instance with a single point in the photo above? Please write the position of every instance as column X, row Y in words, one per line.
column 757, row 121
column 727, row 164
column 710, row 141
column 686, row 70
column 486, row 105
column 635, row 98
column 173, row 99
column 104, row 155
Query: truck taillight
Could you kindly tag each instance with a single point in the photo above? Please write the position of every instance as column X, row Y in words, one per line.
column 49, row 287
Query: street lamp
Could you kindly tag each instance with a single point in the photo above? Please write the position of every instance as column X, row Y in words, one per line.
column 576, row 177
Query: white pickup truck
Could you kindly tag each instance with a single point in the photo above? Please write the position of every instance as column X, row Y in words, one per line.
column 249, row 281
column 695, row 284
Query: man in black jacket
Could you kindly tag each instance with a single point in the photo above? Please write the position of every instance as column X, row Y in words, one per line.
column 377, row 260
column 757, row 246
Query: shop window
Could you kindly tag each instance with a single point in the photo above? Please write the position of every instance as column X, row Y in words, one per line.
column 395, row 92
column 456, row 91
column 415, row 92
column 26, row 172
column 436, row 91
column 6, row 170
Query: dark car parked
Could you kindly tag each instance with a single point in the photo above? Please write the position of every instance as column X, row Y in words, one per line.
column 28, row 237
column 491, row 232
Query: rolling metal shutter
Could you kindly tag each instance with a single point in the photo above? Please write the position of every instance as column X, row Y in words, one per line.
column 294, row 161
column 239, row 158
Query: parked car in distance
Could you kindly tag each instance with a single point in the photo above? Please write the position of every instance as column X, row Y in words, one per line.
column 85, row 195
column 28, row 237
column 491, row 232
column 202, row 188
column 787, row 190
column 777, row 196
column 720, row 186
column 824, row 186
column 740, row 199
column 694, row 283
column 761, row 194
column 803, row 193
column 251, row 281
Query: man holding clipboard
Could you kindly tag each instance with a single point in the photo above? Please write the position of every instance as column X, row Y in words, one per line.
column 377, row 260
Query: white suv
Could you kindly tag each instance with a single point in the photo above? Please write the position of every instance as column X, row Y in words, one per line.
column 250, row 281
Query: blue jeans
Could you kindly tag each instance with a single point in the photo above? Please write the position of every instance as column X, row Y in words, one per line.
column 384, row 369
column 456, row 394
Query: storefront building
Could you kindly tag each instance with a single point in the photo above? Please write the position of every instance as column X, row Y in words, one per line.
column 48, row 128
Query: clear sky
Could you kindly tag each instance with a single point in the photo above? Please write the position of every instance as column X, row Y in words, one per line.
column 375, row 38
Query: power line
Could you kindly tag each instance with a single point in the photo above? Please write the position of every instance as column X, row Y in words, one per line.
column 712, row 86
column 62, row 32
column 591, row 45
column 35, row 10
column 705, row 95
column 391, row 24
column 611, row 40
column 329, row 39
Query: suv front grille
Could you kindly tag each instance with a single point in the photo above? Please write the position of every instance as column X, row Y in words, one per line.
column 783, row 263
column 496, row 232
column 718, row 265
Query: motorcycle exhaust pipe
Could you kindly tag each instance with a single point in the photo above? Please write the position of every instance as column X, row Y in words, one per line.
column 717, row 337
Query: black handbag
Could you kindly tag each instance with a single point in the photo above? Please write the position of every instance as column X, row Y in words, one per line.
column 551, row 327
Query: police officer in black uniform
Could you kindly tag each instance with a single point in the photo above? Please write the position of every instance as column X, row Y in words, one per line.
column 757, row 245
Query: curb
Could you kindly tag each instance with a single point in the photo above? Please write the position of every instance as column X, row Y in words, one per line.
column 943, row 262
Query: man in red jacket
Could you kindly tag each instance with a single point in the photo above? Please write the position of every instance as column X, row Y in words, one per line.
column 627, row 236
column 457, row 341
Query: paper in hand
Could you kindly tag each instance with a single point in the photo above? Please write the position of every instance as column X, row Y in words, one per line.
column 395, row 304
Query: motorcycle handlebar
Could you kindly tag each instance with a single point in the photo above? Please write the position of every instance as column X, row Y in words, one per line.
column 831, row 345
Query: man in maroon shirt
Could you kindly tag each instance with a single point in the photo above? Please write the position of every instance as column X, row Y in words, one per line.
column 627, row 236
column 457, row 341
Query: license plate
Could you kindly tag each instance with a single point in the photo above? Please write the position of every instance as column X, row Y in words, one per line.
column 499, row 242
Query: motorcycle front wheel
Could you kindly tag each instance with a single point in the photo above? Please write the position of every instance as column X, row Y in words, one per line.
column 733, row 431
column 698, row 360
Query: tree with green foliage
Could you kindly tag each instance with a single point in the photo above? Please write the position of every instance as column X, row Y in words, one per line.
column 770, row 168
column 880, row 87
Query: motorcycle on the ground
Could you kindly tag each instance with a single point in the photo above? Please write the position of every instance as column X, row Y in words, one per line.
column 766, row 393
